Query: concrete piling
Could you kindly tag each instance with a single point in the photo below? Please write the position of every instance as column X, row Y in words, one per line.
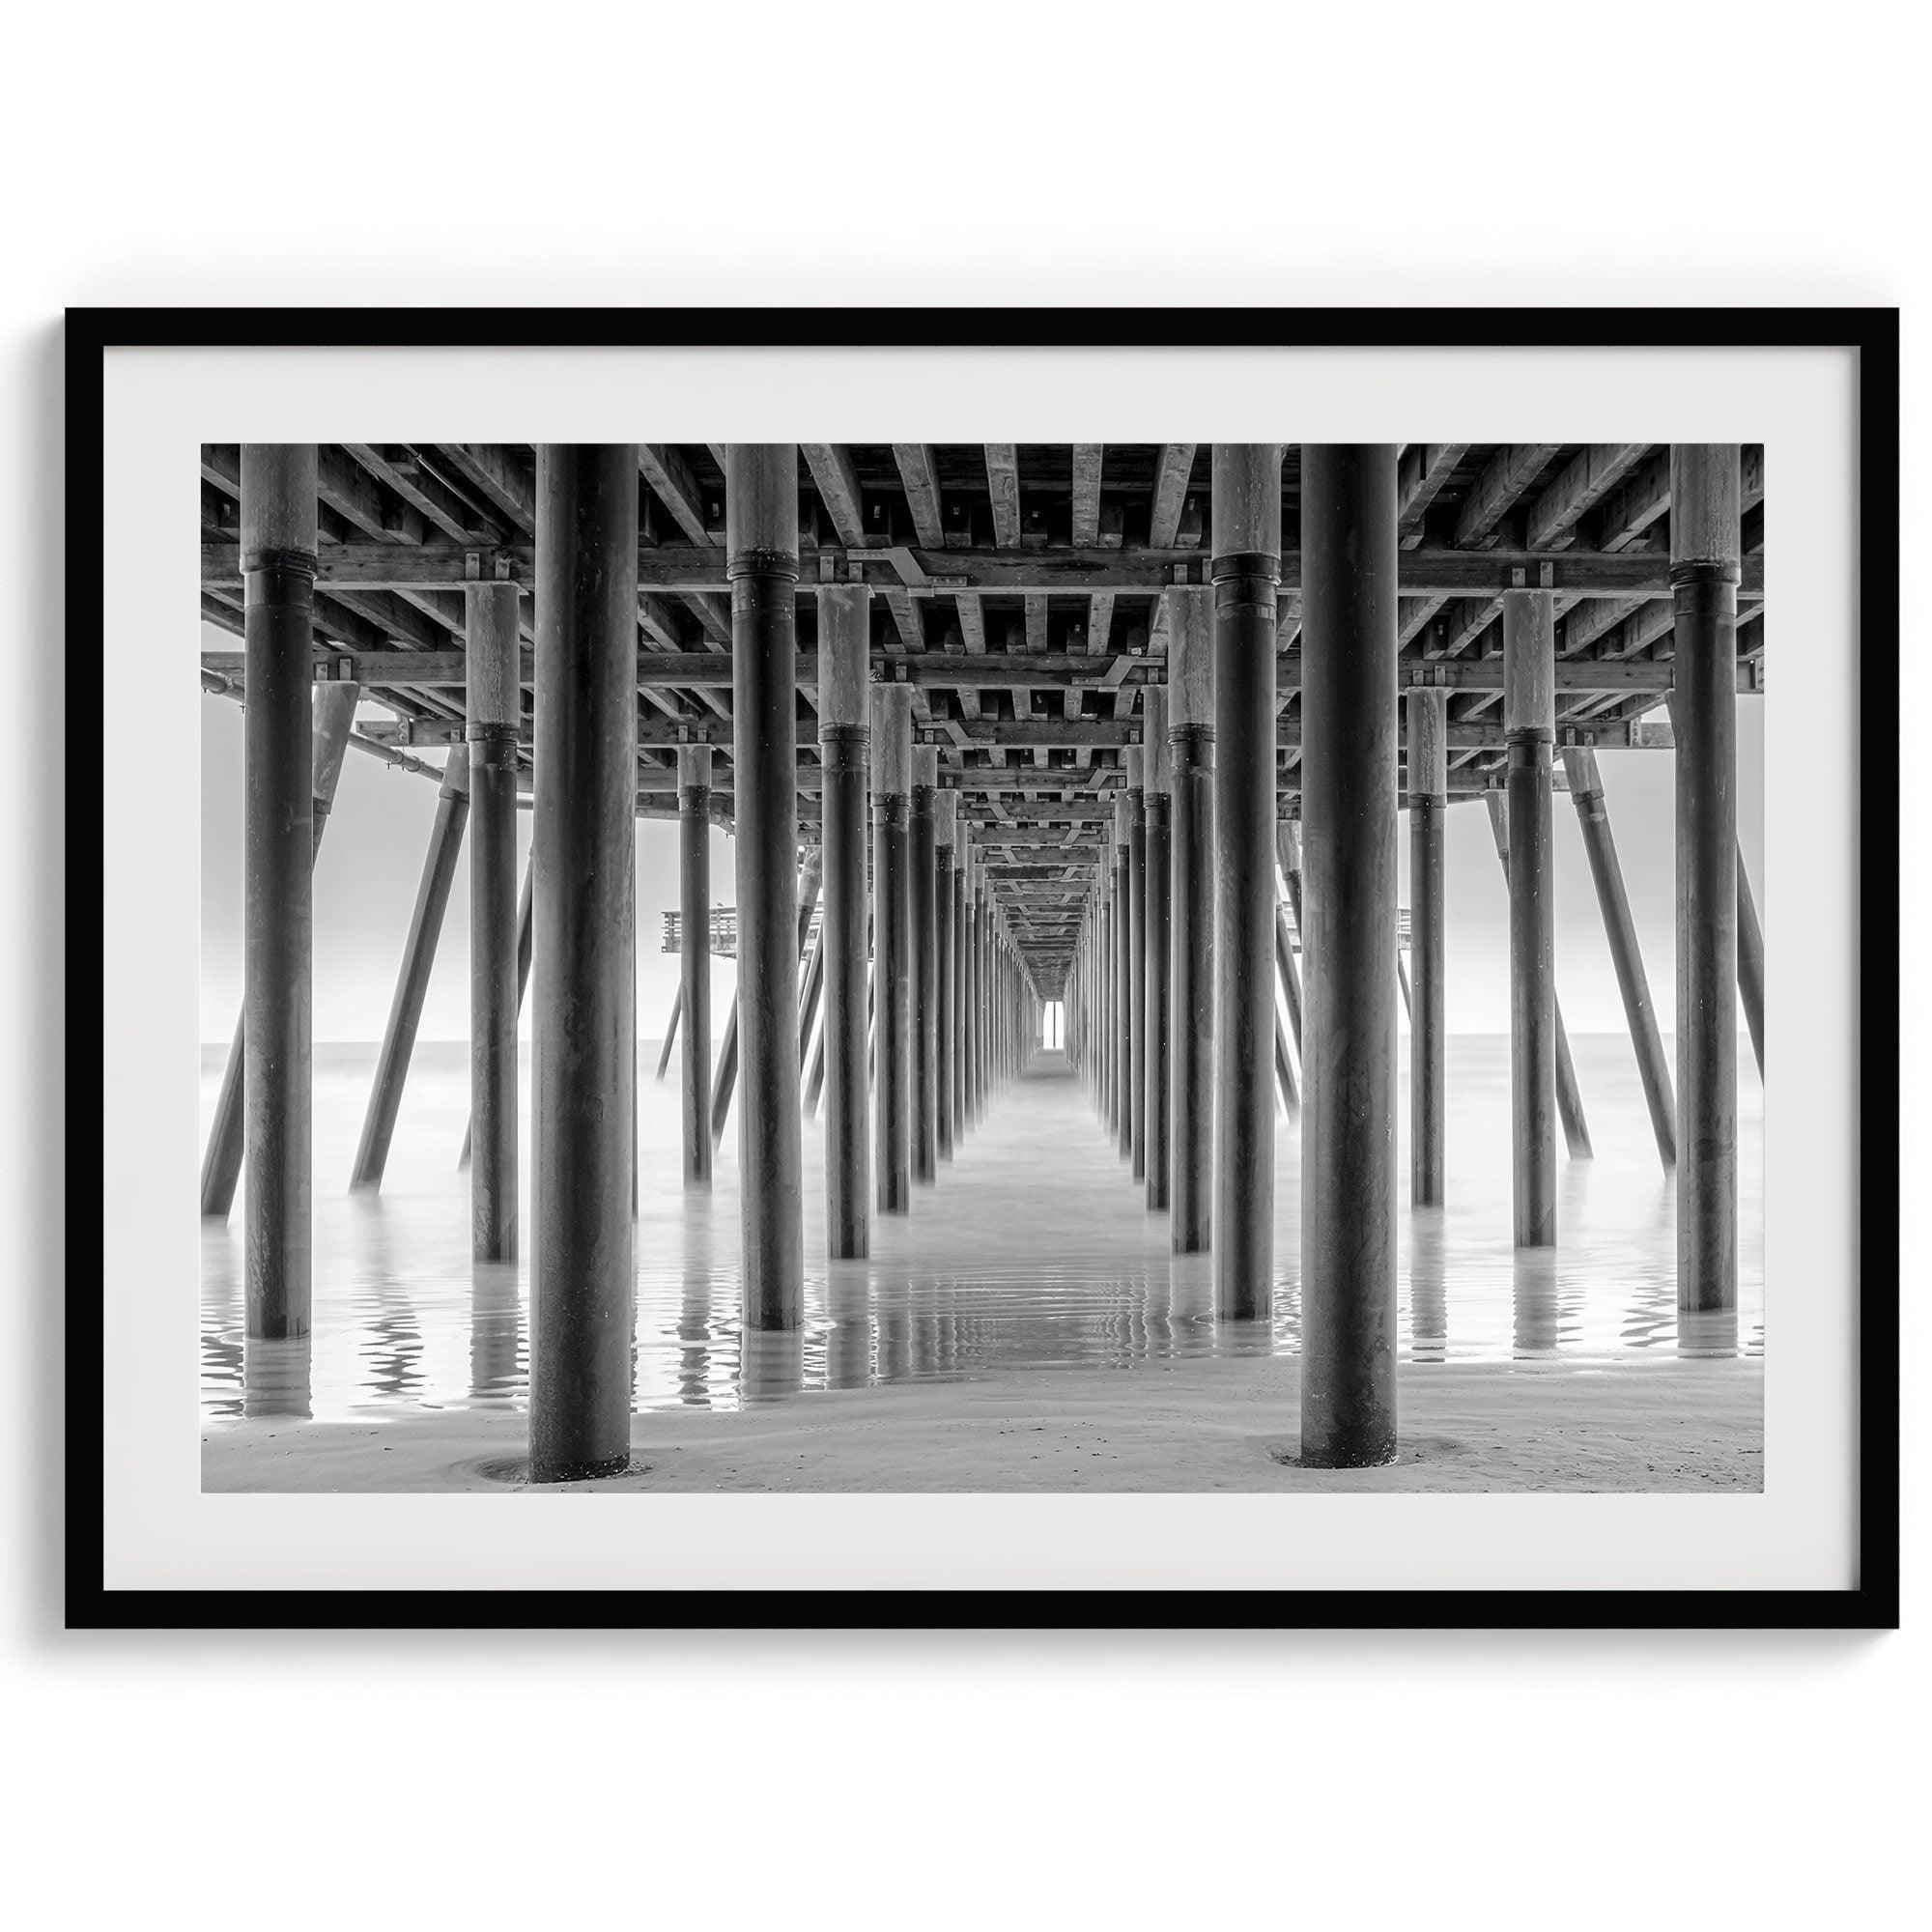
column 1245, row 569
column 1349, row 857
column 584, row 968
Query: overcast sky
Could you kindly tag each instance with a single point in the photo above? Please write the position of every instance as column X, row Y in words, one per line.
column 372, row 856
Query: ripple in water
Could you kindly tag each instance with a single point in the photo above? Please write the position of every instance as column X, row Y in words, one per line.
column 1033, row 1252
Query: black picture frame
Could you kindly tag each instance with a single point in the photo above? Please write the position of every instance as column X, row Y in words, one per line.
column 1874, row 333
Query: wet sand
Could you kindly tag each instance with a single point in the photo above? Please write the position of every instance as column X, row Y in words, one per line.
column 1182, row 1426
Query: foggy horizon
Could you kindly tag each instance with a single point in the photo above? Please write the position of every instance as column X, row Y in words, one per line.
column 371, row 855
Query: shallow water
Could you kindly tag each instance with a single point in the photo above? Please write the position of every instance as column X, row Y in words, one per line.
column 1033, row 1251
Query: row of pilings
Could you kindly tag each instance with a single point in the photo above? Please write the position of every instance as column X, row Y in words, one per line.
column 911, row 1052
column 1173, row 990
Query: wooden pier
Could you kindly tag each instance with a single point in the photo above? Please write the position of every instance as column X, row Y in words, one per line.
column 1126, row 729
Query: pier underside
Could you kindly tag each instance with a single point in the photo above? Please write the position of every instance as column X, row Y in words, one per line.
column 1101, row 746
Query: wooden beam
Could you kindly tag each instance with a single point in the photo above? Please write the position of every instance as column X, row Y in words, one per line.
column 671, row 479
column 837, row 484
column 487, row 468
column 972, row 625
column 1586, row 478
column 1088, row 460
column 1628, row 511
column 1056, row 671
column 1505, row 478
column 909, row 614
column 1002, row 481
column 920, row 476
column 1035, row 625
column 351, row 491
column 1170, row 494
column 363, row 566
column 398, row 466
column 1426, row 467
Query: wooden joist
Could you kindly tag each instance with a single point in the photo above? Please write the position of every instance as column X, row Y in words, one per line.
column 402, row 469
column 1505, row 478
column 1552, row 517
column 489, row 468
column 669, row 477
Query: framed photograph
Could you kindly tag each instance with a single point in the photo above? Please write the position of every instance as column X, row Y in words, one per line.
column 699, row 1027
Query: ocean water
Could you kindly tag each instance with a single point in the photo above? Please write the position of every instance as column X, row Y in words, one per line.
column 1034, row 1250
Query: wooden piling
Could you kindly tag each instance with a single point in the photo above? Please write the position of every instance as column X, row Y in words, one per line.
column 664, row 1051
column 1750, row 962
column 1108, row 1054
column 1568, row 1096
column 957, row 1049
column 425, row 931
column 891, row 943
column 1287, row 853
column 1190, row 690
column 761, row 562
column 1290, row 983
column 1348, row 941
column 810, row 986
column 725, row 1075
column 524, row 919
column 1529, row 724
column 924, row 965
column 945, row 945
column 278, row 563
column 335, row 712
column 1246, row 567
column 1157, row 776
column 585, row 756
column 844, row 742
column 1135, row 759
column 1428, row 809
column 1122, row 1017
column 1704, row 571
column 1587, row 793
column 1284, row 1070
column 494, row 712
column 693, row 960
column 969, row 1058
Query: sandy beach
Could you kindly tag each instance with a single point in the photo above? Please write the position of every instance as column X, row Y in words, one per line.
column 1188, row 1426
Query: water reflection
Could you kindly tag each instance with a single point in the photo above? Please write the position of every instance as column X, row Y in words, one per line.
column 849, row 1314
column 1706, row 1335
column 1244, row 1338
column 697, row 1332
column 496, row 1334
column 1033, row 1252
column 224, row 1365
column 392, row 1341
column 1428, row 1285
column 1538, row 1323
column 277, row 1378
column 770, row 1364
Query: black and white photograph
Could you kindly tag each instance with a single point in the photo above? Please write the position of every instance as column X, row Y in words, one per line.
column 983, row 967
